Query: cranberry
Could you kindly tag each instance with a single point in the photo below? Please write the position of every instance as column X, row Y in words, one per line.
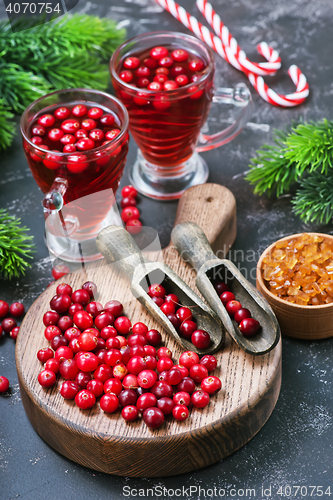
column 67, row 139
column 187, row 328
column 114, row 307
column 63, row 352
column 81, row 296
column 85, row 399
column 130, row 381
column 64, row 323
column 241, row 314
column 69, row 369
column 46, row 120
column 179, row 55
column 4, row 309
column 64, row 288
column 51, row 318
column 73, row 308
column 183, row 370
column 198, row 373
column 113, row 357
column 174, row 376
column 51, row 161
column 201, row 339
column 158, row 52
column 232, row 307
column 83, row 379
column 120, row 371
column 221, row 287
column 153, row 417
column 209, row 361
column 85, row 144
column 44, row 354
column 47, row 378
column 79, row 110
column 168, row 308
column 113, row 386
column 87, row 341
column 70, row 126
column 226, row 297
column 186, row 385
column 163, row 364
column 91, row 288
column 184, row 313
column 249, row 326
column 131, row 62
column 4, row 384
column 107, row 120
column 94, row 308
column 140, row 328
column 38, row 130
column 77, row 164
column 14, row 332
column 51, row 331
column 180, row 412
column 181, row 80
column 154, row 86
column 149, row 350
column 108, row 332
column 52, row 364
column 200, row 399
column 147, row 378
column 109, row 403
column 182, row 398
column 95, row 113
column 55, row 134
column 134, row 226
column 129, row 213
column 113, row 343
column 162, row 389
column 153, row 337
column 150, row 63
column 158, row 301
column 103, row 372
column 81, row 134
column 130, row 413
column 60, row 303
column 129, row 191
column 8, row 324
column 38, row 141
column 69, row 148
column 160, row 78
column 145, row 401
column 211, row 384
column 126, row 76
column 156, row 290
column 166, row 405
column 196, row 65
column 58, row 341
column 188, row 359
column 129, row 201
column 122, row 324
column 96, row 134
column 96, row 387
column 127, row 397
column 69, row 389
column 16, row 309
column 164, row 352
column 83, row 320
column 62, row 113
column 162, row 71
column 170, row 85
column 87, row 361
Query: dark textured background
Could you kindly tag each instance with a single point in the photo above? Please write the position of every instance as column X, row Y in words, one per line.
column 294, row 448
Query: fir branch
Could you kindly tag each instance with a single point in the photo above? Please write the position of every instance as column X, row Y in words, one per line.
column 7, row 126
column 271, row 172
column 313, row 201
column 310, row 146
column 15, row 246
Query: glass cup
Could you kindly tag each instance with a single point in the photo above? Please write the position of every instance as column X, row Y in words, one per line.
column 166, row 124
column 79, row 187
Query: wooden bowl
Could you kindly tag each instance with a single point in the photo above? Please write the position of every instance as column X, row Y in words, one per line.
column 302, row 322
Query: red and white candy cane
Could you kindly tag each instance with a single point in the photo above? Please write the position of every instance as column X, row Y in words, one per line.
column 229, row 50
column 270, row 54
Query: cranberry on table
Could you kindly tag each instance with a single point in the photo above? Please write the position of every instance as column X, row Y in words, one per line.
column 120, row 371
column 153, row 417
column 209, row 361
column 162, row 389
column 113, row 386
column 81, row 296
column 103, row 319
column 73, row 308
column 85, row 399
column 200, row 399
column 16, row 309
column 130, row 413
column 47, row 378
column 153, row 337
column 63, row 352
column 69, row 389
column 87, row 361
column 60, row 271
column 83, row 320
column 68, row 369
column 182, row 398
column 134, row 226
column 83, row 379
column 128, row 201
column 147, row 378
column 58, row 341
column 64, row 288
column 129, row 191
column 145, row 401
column 108, row 332
column 187, row 328
column 211, row 384
column 166, row 405
column 130, row 381
column 180, row 413
column 64, row 323
column 164, row 363
column 51, row 331
column 127, row 397
column 242, row 314
column 94, row 308
column 4, row 384
column 44, row 354
column 51, row 318
column 87, row 341
column 109, row 403
column 174, row 376
column 52, row 364
column 60, row 303
column 114, row 307
column 249, row 327
column 198, row 373
column 8, row 324
column 129, row 213
column 96, row 387
column 14, row 332
column 186, row 385
column 188, row 359
column 122, row 324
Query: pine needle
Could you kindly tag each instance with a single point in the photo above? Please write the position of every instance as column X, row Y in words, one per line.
column 15, row 246
column 7, row 126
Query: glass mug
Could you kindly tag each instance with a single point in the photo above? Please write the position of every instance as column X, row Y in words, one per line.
column 166, row 125
column 79, row 186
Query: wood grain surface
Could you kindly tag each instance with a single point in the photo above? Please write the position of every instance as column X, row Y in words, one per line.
column 250, row 384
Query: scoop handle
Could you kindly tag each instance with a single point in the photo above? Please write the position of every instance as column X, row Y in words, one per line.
column 118, row 246
column 192, row 245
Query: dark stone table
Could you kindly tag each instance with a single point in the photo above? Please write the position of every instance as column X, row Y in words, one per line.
column 292, row 455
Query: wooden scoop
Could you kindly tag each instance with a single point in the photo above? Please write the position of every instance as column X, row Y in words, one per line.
column 118, row 246
column 193, row 246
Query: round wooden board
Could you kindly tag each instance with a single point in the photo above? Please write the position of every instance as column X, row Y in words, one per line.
column 104, row 442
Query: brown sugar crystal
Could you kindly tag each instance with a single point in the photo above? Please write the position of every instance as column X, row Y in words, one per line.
column 300, row 270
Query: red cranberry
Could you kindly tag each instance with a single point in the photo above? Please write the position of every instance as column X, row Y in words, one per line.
column 136, row 365
column 104, row 319
column 163, row 364
column 184, row 313
column 162, row 389
column 196, row 65
column 201, row 339
column 168, row 308
column 87, row 341
column 180, row 412
column 153, row 417
column 129, row 191
column 145, row 401
column 16, row 309
column 58, row 341
column 8, row 324
column 94, row 308
column 70, row 126
column 108, row 332
column 55, row 134
column 130, row 413
column 186, row 385
column 63, row 352
column 221, row 287
column 150, row 63
column 88, row 124
column 134, row 226
column 81, row 296
column 182, row 80
column 73, row 308
column 47, row 378
column 109, row 403
column 113, row 386
column 162, row 71
column 174, row 320
column 182, row 398
column 72, row 333
column 85, row 144
column 79, row 110
column 147, row 378
column 249, row 327
column 96, row 387
column 114, row 307
column 46, row 120
column 188, row 359
column 51, row 318
column 81, row 134
column 200, row 399
column 52, row 364
column 120, row 371
column 44, row 354
column 14, row 332
column 38, row 130
column 154, row 86
column 4, row 309
column 107, row 120
column 77, row 164
column 62, row 113
column 156, row 290
column 60, row 271
column 69, row 389
column 68, row 369
column 64, row 323
column 130, row 381
column 129, row 213
column 211, row 384
column 102, row 373
column 174, row 376
column 51, row 331
column 4, row 384
column 126, row 76
column 209, row 361
column 160, row 78
column 64, row 288
column 198, row 373
column 113, row 357
column 165, row 405
column 241, row 314
column 85, row 399
column 158, row 301
column 87, row 361
column 83, row 320
column 140, row 328
column 179, row 55
column 122, row 324
column 68, row 139
column 158, row 52
column 60, row 303
column 95, row 113
column 153, row 337
column 187, row 328
column 129, row 201
column 127, row 397
column 170, row 85
column 164, row 352
column 131, row 62
column 183, row 370
column 149, row 350
column 232, row 307
column 226, row 297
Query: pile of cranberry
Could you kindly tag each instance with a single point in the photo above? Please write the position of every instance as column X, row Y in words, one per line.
column 163, row 70
column 9, row 314
column 181, row 317
column 130, row 213
column 246, row 324
column 99, row 354
column 73, row 129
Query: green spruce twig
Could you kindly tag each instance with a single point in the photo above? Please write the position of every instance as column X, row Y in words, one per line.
column 7, row 126
column 313, row 201
column 15, row 246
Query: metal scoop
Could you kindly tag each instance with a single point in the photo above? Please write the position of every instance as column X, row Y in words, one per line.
column 118, row 246
column 193, row 246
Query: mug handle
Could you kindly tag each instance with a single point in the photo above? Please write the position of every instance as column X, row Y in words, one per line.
column 239, row 96
column 56, row 221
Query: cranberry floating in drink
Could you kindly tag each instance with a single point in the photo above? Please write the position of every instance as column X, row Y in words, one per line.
column 76, row 143
column 166, row 81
